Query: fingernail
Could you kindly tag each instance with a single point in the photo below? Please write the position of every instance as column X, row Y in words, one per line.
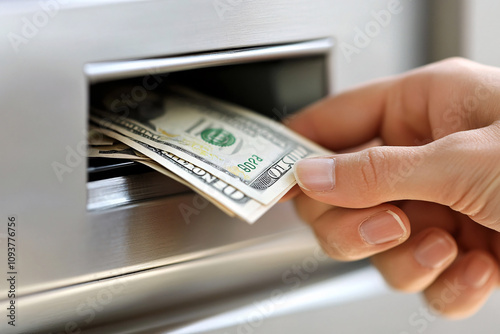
column 382, row 227
column 478, row 271
column 315, row 174
column 434, row 251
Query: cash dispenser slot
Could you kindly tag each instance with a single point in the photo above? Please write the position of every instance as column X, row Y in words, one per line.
column 274, row 81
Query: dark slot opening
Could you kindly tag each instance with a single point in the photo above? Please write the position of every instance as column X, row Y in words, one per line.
column 275, row 89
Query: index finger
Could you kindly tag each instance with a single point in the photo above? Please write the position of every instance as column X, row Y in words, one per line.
column 349, row 119
column 424, row 104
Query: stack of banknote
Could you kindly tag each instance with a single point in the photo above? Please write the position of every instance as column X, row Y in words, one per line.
column 239, row 160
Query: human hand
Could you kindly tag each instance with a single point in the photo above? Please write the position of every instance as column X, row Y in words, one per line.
column 439, row 174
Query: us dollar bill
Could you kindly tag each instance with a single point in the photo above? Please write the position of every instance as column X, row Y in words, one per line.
column 116, row 151
column 247, row 151
column 95, row 138
column 159, row 168
column 221, row 194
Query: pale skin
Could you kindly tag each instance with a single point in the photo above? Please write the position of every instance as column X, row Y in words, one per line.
column 424, row 205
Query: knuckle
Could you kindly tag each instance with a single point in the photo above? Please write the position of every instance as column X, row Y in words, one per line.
column 474, row 187
column 372, row 165
column 466, row 199
column 483, row 208
column 456, row 62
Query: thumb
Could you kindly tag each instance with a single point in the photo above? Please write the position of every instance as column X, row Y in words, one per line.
column 461, row 170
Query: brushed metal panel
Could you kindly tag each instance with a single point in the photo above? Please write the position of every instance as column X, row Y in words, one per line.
column 209, row 282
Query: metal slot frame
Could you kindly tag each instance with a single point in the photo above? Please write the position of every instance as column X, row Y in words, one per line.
column 98, row 72
column 116, row 70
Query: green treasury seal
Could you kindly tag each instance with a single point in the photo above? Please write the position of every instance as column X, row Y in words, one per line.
column 218, row 137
